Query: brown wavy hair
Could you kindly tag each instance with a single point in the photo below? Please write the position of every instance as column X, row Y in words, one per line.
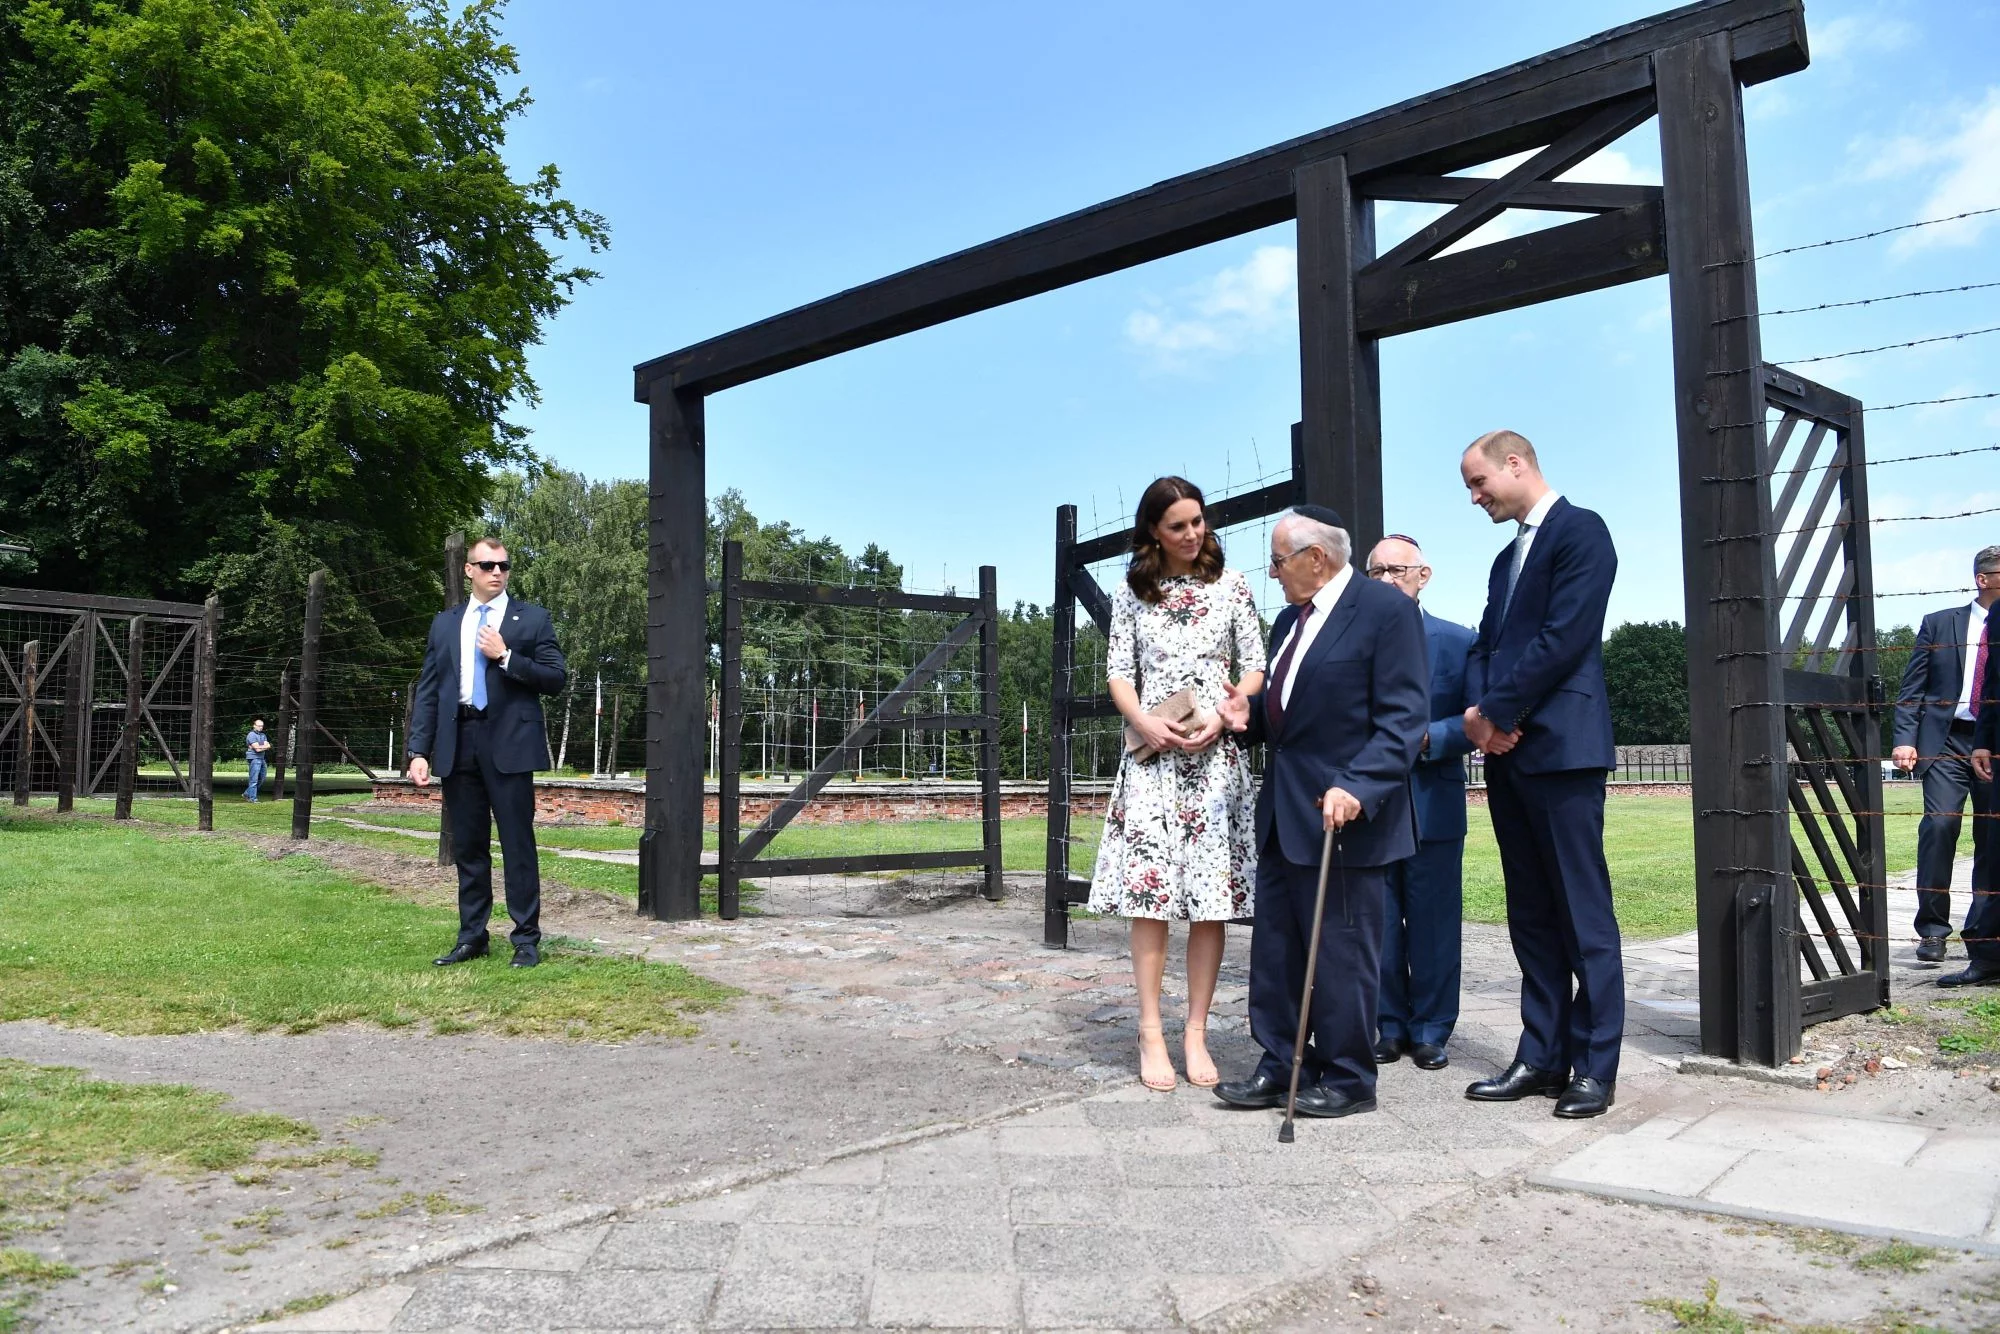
column 1149, row 562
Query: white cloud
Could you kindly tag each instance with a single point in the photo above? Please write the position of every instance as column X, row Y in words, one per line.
column 1222, row 314
column 1862, row 34
column 1961, row 155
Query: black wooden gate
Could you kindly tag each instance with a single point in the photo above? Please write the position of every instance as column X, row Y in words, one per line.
column 84, row 681
column 1834, row 701
column 737, row 852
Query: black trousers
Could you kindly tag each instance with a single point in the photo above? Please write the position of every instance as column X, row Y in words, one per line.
column 1341, row 1032
column 478, row 796
column 1948, row 782
column 1550, row 828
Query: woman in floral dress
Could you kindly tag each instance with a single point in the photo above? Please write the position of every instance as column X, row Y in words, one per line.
column 1179, row 831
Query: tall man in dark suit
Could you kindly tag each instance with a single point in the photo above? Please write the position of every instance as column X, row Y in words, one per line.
column 1420, row 925
column 1981, row 933
column 1544, row 720
column 1342, row 713
column 477, row 724
column 1936, row 714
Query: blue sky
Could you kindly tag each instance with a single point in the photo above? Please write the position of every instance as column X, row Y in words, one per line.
column 752, row 157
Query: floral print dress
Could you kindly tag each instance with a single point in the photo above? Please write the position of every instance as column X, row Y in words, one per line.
column 1180, row 829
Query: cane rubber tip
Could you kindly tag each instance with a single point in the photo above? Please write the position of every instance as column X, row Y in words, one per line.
column 1285, row 1133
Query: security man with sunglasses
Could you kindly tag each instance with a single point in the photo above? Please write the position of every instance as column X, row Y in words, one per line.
column 477, row 724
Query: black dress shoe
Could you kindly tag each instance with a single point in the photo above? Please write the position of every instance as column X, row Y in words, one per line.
column 1429, row 1056
column 526, row 956
column 1388, row 1051
column 1585, row 1097
column 1975, row 975
column 1326, row 1102
column 1256, row 1091
column 460, row 953
column 1519, row 1080
column 1930, row 949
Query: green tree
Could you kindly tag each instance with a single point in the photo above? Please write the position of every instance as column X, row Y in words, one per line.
column 266, row 285
column 1892, row 658
column 1645, row 674
column 580, row 551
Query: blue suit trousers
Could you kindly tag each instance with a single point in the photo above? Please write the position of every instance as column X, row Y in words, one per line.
column 1340, row 1053
column 1550, row 828
column 1420, row 944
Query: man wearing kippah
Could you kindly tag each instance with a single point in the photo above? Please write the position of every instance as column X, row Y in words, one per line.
column 1341, row 714
column 1421, row 922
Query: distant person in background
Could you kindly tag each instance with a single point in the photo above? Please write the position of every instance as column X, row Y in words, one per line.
column 1180, row 824
column 477, row 723
column 1418, row 1005
column 1937, row 711
column 1542, row 716
column 254, row 746
column 1981, row 934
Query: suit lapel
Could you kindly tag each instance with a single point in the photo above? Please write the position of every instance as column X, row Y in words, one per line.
column 1538, row 550
column 1961, row 621
column 1338, row 622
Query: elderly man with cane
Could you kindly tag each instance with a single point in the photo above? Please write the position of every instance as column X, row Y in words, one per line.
column 1342, row 714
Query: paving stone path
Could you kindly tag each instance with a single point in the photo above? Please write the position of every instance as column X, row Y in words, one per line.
column 1123, row 1209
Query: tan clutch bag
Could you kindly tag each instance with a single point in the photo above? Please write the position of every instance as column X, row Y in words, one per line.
column 1178, row 708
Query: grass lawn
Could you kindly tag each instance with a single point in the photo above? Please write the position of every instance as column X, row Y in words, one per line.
column 134, row 931
column 1649, row 841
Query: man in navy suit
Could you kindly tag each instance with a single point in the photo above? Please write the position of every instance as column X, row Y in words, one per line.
column 1937, row 711
column 1982, row 920
column 1342, row 713
column 1420, row 925
column 477, row 724
column 1544, row 720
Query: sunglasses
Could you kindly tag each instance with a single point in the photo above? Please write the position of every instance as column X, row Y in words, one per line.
column 491, row 565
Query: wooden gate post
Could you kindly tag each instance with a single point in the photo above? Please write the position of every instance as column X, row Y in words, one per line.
column 201, row 760
column 135, row 704
column 676, row 654
column 729, row 774
column 1749, row 970
column 989, row 740
column 76, row 702
column 454, row 596
column 31, row 664
column 302, row 763
column 1062, row 688
column 1340, row 371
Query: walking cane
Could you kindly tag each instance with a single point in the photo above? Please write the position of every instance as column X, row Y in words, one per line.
column 1326, row 852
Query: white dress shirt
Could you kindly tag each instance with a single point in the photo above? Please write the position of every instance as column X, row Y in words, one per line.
column 1975, row 626
column 1322, row 604
column 469, row 656
column 1536, row 518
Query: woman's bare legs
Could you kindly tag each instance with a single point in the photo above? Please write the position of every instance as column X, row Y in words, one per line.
column 1204, row 963
column 1149, row 970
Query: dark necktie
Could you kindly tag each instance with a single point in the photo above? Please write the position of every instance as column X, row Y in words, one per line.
column 1274, row 692
column 1514, row 568
column 1979, row 666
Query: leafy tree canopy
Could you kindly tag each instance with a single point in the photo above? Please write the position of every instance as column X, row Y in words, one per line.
column 1645, row 674
column 264, row 280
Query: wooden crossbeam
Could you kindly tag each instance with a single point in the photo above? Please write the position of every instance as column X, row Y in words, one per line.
column 1094, row 599
column 1224, row 513
column 1524, row 105
column 1496, row 195
column 1575, row 257
column 892, row 599
column 1547, row 196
